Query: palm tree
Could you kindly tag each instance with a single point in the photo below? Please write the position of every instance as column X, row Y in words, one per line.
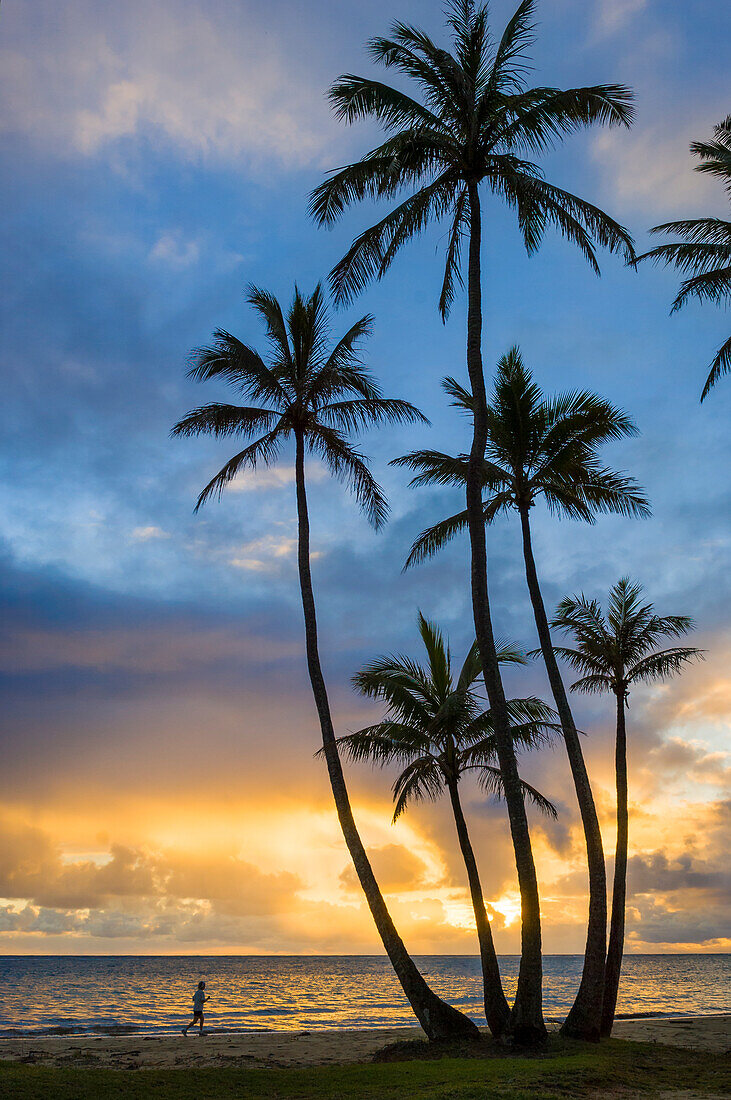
column 438, row 729
column 473, row 121
column 613, row 652
column 315, row 392
column 546, row 447
column 704, row 255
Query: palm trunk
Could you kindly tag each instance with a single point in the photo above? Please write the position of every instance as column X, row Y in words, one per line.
column 619, row 889
column 438, row 1019
column 584, row 1019
column 497, row 1009
column 527, row 1022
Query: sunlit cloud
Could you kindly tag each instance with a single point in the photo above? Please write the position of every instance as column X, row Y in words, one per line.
column 145, row 534
column 211, row 83
column 263, row 555
column 650, row 170
column 274, row 477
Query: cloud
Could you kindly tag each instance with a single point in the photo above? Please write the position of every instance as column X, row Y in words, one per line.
column 212, row 82
column 145, row 534
column 656, row 924
column 614, row 15
column 274, row 477
column 265, row 554
column 656, row 872
column 173, row 249
column 396, row 868
column 32, row 868
column 650, row 170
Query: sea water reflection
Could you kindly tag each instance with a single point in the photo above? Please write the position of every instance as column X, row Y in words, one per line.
column 112, row 994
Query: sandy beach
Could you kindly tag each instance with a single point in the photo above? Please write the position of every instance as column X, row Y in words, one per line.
column 290, row 1049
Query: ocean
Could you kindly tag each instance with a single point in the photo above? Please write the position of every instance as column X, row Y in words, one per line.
column 64, row 995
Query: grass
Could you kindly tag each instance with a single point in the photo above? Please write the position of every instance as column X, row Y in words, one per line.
column 562, row 1071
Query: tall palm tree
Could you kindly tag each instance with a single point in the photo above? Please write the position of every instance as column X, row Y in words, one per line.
column 613, row 652
column 704, row 255
column 472, row 123
column 438, row 729
column 546, row 447
column 315, row 392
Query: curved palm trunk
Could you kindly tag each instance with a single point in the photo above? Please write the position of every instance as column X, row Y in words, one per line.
column 497, row 1009
column 584, row 1019
column 619, row 889
column 527, row 1022
column 438, row 1019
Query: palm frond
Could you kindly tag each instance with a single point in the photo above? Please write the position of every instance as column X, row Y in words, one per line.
column 385, row 743
column 263, row 450
column 355, row 97
column 541, row 116
column 491, row 781
column 663, row 664
column 343, row 370
column 594, row 684
column 350, row 466
column 452, row 266
column 580, row 221
column 403, row 685
column 508, row 653
column 461, row 396
column 510, row 64
column 420, row 781
column 712, row 286
column 373, row 252
column 716, row 155
column 437, row 650
column 233, row 361
column 437, row 468
column 269, row 309
column 721, row 365
column 600, row 490
column 430, row 541
column 578, row 659
column 398, row 52
column 690, row 256
column 224, row 420
column 362, row 413
column 694, row 230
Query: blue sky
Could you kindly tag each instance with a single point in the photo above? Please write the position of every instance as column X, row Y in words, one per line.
column 156, row 160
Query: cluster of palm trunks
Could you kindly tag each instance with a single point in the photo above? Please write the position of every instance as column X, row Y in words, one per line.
column 470, row 128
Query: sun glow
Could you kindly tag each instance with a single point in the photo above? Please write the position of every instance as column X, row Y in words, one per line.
column 509, row 908
column 459, row 914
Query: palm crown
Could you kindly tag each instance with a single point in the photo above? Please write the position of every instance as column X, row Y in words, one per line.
column 473, row 119
column 310, row 387
column 704, row 254
column 438, row 727
column 618, row 649
column 537, row 446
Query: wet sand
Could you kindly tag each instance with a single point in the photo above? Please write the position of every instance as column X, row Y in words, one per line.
column 301, row 1048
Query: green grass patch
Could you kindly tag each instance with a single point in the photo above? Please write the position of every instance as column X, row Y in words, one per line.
column 561, row 1071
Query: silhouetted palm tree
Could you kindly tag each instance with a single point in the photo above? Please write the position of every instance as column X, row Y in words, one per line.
column 612, row 652
column 546, row 447
column 473, row 122
column 704, row 255
column 315, row 392
column 438, row 729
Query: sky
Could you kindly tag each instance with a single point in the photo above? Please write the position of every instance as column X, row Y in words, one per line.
column 159, row 791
